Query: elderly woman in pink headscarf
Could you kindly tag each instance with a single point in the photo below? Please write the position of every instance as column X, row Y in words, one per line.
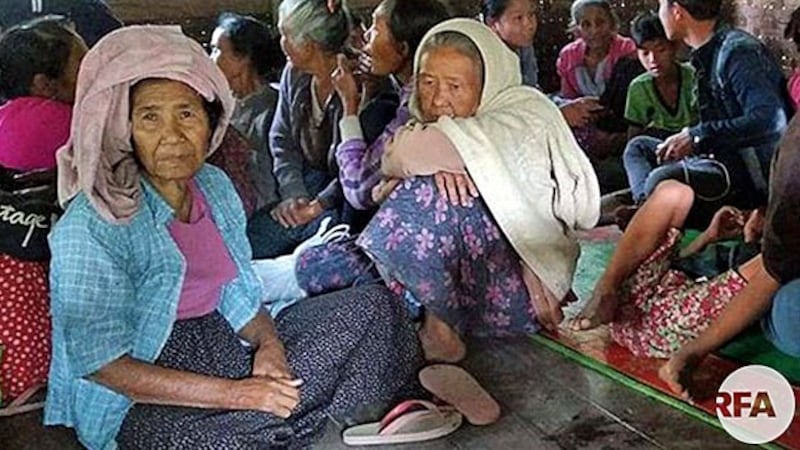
column 159, row 336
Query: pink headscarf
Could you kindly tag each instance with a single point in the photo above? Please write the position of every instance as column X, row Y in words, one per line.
column 98, row 159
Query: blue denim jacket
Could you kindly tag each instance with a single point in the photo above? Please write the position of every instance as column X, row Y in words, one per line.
column 744, row 108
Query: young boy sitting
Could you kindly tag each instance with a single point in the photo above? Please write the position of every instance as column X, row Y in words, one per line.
column 660, row 103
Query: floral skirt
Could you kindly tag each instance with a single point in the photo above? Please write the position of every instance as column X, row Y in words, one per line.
column 663, row 308
column 452, row 259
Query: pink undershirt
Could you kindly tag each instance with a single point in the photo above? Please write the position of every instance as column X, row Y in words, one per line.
column 208, row 264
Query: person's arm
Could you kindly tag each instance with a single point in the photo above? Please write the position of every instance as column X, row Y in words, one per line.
column 636, row 110
column 262, row 166
column 270, row 358
column 728, row 223
column 331, row 196
column 421, row 150
column 781, row 244
column 359, row 163
column 744, row 309
column 150, row 384
column 286, row 153
column 147, row 383
column 568, row 90
column 763, row 115
column 260, row 331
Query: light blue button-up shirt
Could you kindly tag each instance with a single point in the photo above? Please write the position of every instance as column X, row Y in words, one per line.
column 115, row 291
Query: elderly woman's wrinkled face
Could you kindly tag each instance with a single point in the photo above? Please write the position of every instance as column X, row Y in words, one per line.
column 171, row 129
column 388, row 55
column 448, row 84
column 298, row 54
column 596, row 27
column 229, row 62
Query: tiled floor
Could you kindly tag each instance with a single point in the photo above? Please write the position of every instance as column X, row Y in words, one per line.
column 548, row 403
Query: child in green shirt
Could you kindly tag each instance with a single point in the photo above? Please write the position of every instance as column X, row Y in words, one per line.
column 661, row 102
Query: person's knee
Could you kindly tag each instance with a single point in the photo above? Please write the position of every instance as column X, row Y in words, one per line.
column 640, row 146
column 673, row 192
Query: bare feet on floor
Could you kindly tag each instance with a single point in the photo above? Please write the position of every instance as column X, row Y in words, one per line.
column 439, row 342
column 547, row 306
column 600, row 310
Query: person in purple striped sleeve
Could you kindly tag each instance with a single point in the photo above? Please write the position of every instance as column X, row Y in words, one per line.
column 396, row 31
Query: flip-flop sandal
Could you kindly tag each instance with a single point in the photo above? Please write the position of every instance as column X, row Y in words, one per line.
column 453, row 385
column 19, row 405
column 406, row 423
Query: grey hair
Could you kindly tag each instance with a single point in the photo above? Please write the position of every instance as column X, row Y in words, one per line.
column 311, row 20
column 459, row 42
column 579, row 6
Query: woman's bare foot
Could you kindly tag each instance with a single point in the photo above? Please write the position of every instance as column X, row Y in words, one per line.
column 547, row 306
column 439, row 342
column 600, row 310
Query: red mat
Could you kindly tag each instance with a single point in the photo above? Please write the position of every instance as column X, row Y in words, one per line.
column 598, row 346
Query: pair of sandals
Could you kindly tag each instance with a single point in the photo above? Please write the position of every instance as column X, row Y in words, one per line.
column 419, row 420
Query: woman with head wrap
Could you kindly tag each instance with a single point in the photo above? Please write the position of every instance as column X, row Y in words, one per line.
column 152, row 291
column 468, row 263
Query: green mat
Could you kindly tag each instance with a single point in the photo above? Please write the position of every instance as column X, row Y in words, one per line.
column 750, row 347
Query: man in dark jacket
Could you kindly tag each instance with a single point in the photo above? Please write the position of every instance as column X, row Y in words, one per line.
column 743, row 108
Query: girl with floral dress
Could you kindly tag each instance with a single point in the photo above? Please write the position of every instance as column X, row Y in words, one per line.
column 653, row 303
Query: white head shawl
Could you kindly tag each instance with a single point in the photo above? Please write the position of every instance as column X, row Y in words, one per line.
column 524, row 159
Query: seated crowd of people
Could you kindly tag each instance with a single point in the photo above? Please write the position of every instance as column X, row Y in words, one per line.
column 223, row 251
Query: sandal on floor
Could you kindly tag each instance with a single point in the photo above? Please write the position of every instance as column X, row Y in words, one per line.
column 20, row 406
column 455, row 386
column 410, row 421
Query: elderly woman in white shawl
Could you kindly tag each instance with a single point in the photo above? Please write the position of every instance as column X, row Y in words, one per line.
column 468, row 263
column 159, row 336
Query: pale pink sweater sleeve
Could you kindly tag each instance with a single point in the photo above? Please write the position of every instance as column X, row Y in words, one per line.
column 420, row 150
